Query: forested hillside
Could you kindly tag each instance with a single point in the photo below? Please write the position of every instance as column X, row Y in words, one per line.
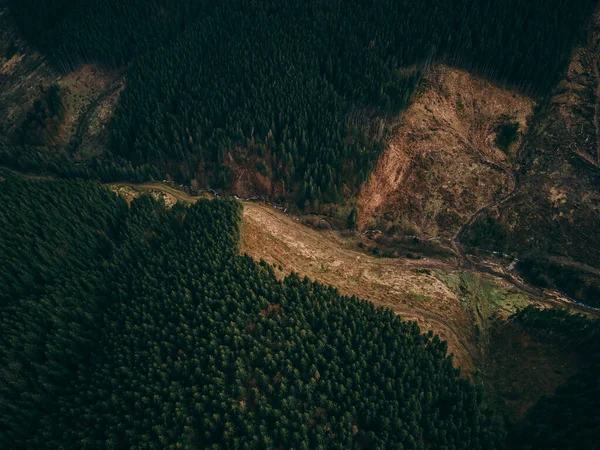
column 129, row 323
column 142, row 327
column 72, row 32
column 292, row 94
column 570, row 419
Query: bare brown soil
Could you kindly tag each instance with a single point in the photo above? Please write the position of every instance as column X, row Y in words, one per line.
column 464, row 307
column 441, row 164
column 398, row 284
column 455, row 303
column 440, row 170
column 129, row 193
column 579, row 92
column 25, row 72
column 82, row 90
column 91, row 134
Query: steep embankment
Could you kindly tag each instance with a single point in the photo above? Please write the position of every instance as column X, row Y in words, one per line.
column 443, row 162
column 558, row 206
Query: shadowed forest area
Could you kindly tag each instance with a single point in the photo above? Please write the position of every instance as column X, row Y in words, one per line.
column 142, row 327
column 128, row 322
column 291, row 93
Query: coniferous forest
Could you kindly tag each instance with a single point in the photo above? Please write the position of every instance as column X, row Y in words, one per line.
column 138, row 326
column 291, row 86
column 127, row 324
column 142, row 327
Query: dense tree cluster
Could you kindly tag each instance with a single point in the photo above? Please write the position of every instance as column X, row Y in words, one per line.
column 143, row 327
column 486, row 232
column 37, row 17
column 294, row 85
column 571, row 418
column 111, row 32
column 49, row 230
column 540, row 270
column 38, row 159
column 43, row 121
column 53, row 237
column 261, row 90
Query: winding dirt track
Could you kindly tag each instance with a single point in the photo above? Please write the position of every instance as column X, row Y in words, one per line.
column 84, row 121
column 409, row 287
column 402, row 285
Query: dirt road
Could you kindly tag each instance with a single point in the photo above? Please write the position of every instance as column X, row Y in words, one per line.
column 408, row 287
column 415, row 289
column 412, row 288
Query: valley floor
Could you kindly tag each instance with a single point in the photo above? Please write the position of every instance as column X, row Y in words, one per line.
column 457, row 303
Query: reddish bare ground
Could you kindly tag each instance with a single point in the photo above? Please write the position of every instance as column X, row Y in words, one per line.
column 441, row 164
column 421, row 290
column 401, row 285
column 23, row 71
column 576, row 93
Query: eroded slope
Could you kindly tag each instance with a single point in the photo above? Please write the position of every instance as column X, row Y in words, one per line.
column 89, row 94
column 466, row 308
column 443, row 162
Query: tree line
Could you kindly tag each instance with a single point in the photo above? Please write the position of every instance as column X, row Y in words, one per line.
column 138, row 326
column 537, row 264
column 280, row 85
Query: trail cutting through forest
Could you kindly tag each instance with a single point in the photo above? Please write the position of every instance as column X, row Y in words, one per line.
column 412, row 288
column 84, row 122
column 415, row 289
column 403, row 285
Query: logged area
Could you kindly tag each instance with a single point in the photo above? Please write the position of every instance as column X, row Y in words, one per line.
column 51, row 120
column 552, row 222
column 166, row 334
column 444, row 161
column 461, row 307
column 294, row 101
column 324, row 224
column 471, row 311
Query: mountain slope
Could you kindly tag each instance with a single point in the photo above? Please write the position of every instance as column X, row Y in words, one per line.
column 442, row 162
column 553, row 221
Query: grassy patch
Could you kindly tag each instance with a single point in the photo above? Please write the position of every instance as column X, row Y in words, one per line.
column 483, row 296
column 417, row 298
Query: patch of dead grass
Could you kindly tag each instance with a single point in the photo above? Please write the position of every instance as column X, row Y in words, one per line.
column 283, row 241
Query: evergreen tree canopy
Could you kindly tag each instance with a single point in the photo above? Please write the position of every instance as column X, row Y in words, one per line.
column 149, row 330
column 294, row 85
